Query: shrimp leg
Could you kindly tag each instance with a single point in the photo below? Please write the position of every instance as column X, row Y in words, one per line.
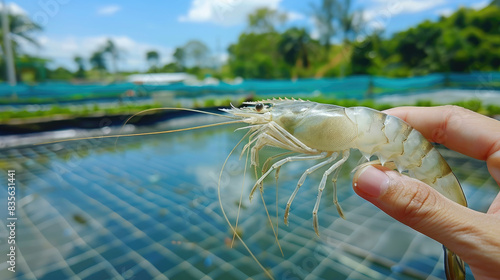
column 335, row 198
column 345, row 156
column 294, row 143
column 264, row 140
column 301, row 182
column 271, row 158
column 280, row 163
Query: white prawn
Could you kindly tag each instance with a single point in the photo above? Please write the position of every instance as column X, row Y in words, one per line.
column 323, row 132
column 328, row 132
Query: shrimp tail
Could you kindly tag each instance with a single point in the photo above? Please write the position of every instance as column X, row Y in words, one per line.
column 398, row 145
column 454, row 266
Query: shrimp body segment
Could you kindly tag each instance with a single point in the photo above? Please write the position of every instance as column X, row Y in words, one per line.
column 328, row 133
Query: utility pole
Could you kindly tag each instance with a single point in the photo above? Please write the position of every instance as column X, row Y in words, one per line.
column 9, row 60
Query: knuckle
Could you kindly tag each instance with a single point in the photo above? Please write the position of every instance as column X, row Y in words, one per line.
column 417, row 203
column 452, row 110
column 452, row 120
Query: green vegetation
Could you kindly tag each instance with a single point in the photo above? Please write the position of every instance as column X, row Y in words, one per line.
column 74, row 111
column 465, row 41
column 21, row 29
column 211, row 102
column 128, row 109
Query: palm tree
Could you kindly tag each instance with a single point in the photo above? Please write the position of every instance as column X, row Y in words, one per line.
column 294, row 46
column 339, row 13
column 350, row 22
column 21, row 29
column 197, row 51
column 265, row 20
column 113, row 51
column 153, row 59
column 180, row 56
column 15, row 28
column 98, row 62
column 80, row 73
column 324, row 16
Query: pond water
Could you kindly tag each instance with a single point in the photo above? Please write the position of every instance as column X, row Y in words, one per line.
column 147, row 208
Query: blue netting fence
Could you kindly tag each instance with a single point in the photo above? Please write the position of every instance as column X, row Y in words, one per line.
column 356, row 87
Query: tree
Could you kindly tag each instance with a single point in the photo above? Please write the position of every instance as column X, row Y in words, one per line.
column 264, row 20
column 256, row 55
column 80, row 73
column 60, row 73
column 97, row 61
column 197, row 52
column 350, row 22
column 324, row 16
column 294, row 47
column 366, row 57
column 171, row 68
column 180, row 56
column 112, row 50
column 153, row 59
column 467, row 40
column 21, row 29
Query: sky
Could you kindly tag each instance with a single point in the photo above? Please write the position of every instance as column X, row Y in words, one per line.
column 72, row 27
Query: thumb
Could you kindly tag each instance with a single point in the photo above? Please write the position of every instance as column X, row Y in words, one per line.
column 415, row 204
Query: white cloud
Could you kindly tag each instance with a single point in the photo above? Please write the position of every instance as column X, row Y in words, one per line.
column 229, row 12
column 480, row 5
column 415, row 6
column 445, row 12
column 314, row 33
column 293, row 16
column 63, row 50
column 14, row 9
column 402, row 7
column 108, row 10
column 381, row 12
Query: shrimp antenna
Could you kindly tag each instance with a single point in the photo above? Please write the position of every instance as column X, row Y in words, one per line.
column 139, row 134
column 171, row 108
column 151, row 133
column 227, row 219
column 178, row 109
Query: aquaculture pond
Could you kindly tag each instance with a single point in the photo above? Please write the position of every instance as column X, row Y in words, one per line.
column 147, row 207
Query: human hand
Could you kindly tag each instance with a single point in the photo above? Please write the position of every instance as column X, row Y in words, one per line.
column 472, row 235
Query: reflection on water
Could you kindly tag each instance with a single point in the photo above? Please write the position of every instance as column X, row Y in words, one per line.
column 148, row 208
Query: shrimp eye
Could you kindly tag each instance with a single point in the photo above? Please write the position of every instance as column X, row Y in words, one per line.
column 259, row 107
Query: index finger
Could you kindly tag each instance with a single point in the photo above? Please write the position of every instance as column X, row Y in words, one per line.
column 459, row 129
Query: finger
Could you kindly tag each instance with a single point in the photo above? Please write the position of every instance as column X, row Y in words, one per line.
column 470, row 234
column 493, row 163
column 418, row 206
column 457, row 128
column 495, row 206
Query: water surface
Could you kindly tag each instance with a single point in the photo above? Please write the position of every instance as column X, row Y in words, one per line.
column 148, row 208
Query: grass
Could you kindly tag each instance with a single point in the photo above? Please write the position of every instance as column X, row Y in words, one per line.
column 74, row 111
column 57, row 111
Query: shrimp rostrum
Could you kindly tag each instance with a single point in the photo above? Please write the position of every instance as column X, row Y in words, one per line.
column 327, row 133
